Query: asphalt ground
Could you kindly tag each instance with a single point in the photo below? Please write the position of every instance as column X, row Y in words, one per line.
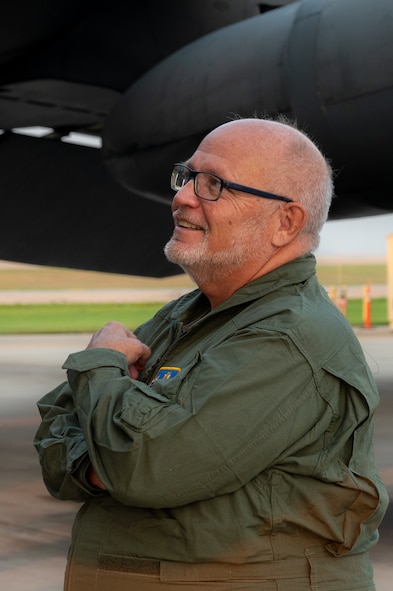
column 35, row 529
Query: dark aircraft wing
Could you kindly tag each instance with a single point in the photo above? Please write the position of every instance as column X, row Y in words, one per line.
column 147, row 81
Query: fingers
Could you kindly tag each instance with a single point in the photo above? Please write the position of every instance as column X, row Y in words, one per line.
column 118, row 337
column 110, row 330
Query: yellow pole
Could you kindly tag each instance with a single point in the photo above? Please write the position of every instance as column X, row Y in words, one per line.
column 390, row 280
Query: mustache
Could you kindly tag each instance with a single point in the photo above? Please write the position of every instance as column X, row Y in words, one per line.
column 180, row 217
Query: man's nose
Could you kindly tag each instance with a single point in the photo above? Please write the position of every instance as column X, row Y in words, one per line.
column 186, row 196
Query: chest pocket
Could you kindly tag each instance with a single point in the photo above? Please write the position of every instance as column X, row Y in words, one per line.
column 178, row 385
column 148, row 406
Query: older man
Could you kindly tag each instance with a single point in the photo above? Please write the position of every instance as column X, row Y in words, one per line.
column 227, row 444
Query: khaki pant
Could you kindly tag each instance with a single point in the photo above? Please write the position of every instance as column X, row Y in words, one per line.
column 318, row 570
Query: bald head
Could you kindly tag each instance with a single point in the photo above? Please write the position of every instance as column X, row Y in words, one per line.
column 283, row 160
column 270, row 144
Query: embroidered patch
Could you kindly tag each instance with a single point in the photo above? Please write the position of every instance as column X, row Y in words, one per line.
column 166, row 373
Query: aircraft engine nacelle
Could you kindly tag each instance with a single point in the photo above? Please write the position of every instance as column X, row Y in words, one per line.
column 326, row 63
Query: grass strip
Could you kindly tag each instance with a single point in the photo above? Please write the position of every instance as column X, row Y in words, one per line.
column 68, row 318
column 379, row 312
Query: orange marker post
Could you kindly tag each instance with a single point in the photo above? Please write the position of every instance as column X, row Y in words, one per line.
column 366, row 307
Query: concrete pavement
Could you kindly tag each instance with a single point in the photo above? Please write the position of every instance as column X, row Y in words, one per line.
column 35, row 528
column 127, row 295
column 92, row 296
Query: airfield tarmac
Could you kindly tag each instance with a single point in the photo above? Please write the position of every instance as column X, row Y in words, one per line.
column 35, row 528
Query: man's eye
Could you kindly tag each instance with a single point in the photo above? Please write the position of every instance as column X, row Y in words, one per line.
column 213, row 182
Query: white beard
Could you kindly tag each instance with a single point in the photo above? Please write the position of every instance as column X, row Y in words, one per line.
column 204, row 266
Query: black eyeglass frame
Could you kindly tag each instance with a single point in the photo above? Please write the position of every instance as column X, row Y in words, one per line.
column 225, row 184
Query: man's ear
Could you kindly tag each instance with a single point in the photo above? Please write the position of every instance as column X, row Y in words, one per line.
column 292, row 218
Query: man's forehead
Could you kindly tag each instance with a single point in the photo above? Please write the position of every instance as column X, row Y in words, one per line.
column 210, row 160
column 231, row 162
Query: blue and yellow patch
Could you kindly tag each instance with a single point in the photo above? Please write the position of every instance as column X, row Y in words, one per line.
column 166, row 373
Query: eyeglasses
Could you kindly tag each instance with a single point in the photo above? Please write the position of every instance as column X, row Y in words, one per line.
column 209, row 186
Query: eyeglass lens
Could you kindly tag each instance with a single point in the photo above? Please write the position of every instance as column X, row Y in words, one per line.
column 206, row 185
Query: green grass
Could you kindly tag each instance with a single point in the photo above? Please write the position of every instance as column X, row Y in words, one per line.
column 379, row 312
column 67, row 318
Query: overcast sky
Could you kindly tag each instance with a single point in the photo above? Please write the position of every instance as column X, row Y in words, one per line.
column 361, row 236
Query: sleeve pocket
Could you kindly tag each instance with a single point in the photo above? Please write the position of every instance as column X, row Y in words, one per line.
column 140, row 408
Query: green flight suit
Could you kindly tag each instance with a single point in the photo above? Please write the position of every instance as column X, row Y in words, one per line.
column 245, row 442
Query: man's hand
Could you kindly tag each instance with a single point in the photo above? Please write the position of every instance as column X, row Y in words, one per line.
column 115, row 335
column 93, row 478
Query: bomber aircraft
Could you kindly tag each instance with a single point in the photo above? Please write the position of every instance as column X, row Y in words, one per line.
column 98, row 98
